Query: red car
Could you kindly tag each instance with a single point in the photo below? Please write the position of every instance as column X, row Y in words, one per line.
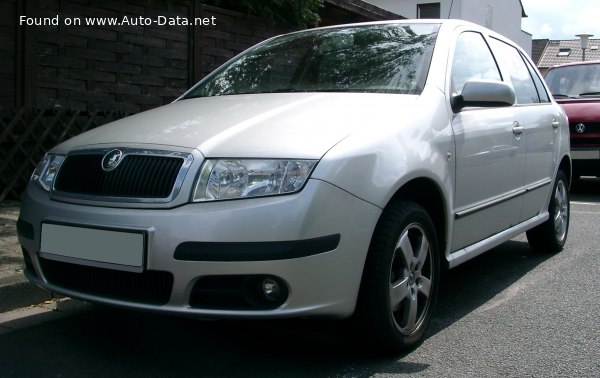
column 576, row 86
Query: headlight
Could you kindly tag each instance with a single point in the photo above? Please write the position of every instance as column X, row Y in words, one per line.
column 222, row 179
column 46, row 170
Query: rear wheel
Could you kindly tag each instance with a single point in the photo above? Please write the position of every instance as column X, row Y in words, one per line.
column 400, row 280
column 550, row 236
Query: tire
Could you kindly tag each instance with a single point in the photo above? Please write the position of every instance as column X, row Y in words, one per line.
column 550, row 236
column 400, row 280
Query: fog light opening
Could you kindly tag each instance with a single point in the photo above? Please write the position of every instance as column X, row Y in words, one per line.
column 271, row 289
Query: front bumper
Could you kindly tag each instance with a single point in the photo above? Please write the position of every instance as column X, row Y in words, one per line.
column 586, row 161
column 319, row 281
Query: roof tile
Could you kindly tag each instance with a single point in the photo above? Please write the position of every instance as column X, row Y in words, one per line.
column 550, row 56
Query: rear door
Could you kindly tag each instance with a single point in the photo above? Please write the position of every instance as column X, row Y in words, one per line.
column 540, row 119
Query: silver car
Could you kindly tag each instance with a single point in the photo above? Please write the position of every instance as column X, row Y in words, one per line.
column 332, row 172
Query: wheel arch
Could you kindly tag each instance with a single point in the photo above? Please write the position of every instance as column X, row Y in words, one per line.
column 428, row 194
column 565, row 166
column 416, row 196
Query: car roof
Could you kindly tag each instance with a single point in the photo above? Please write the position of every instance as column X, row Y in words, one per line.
column 576, row 63
column 446, row 22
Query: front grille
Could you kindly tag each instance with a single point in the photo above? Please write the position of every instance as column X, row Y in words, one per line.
column 581, row 140
column 140, row 176
column 150, row 287
column 590, row 127
column 590, row 137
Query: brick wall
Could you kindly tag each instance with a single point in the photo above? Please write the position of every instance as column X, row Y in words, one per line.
column 8, row 40
column 127, row 68
column 123, row 68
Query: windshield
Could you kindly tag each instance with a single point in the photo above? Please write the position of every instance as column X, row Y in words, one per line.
column 574, row 81
column 389, row 58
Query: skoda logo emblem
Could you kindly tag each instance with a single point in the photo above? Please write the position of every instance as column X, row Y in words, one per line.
column 580, row 128
column 111, row 160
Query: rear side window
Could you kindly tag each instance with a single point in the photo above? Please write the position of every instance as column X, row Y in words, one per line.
column 525, row 89
column 538, row 84
column 472, row 60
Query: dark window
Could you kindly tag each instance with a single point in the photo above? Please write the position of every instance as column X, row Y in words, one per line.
column 472, row 60
column 431, row 10
column 525, row 90
column 563, row 52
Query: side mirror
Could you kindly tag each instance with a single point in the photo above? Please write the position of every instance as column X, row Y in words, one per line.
column 484, row 93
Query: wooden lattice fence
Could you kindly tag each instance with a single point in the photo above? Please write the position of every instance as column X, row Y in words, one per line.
column 26, row 135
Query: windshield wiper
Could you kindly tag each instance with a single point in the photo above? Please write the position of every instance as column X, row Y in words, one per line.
column 589, row 94
column 282, row 90
column 555, row 95
column 308, row 90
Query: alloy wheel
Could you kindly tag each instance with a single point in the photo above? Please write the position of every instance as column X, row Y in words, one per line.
column 561, row 211
column 411, row 279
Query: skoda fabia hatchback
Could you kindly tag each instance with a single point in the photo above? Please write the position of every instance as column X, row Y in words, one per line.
column 332, row 172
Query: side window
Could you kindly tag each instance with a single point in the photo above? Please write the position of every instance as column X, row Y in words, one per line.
column 472, row 60
column 541, row 90
column 525, row 90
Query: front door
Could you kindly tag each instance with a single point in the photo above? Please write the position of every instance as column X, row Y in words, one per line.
column 489, row 152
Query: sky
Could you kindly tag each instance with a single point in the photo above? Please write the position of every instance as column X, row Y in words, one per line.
column 561, row 19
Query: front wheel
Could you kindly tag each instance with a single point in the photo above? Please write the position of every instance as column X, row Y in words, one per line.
column 551, row 236
column 400, row 281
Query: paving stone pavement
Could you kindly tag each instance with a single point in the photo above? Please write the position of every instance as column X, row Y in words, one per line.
column 11, row 260
column 15, row 290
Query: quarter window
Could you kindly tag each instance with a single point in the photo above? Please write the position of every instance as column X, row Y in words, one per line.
column 541, row 90
column 472, row 60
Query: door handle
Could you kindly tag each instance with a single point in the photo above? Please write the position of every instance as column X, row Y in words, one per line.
column 517, row 129
column 555, row 123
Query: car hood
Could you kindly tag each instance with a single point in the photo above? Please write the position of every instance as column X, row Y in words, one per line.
column 292, row 125
column 581, row 110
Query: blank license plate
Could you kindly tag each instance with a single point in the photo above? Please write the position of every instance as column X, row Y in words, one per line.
column 90, row 245
column 585, row 155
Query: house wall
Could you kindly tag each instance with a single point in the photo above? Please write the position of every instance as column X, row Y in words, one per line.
column 408, row 8
column 502, row 16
